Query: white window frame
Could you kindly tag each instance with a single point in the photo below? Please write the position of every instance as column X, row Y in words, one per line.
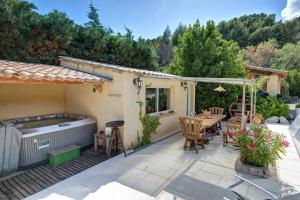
column 157, row 101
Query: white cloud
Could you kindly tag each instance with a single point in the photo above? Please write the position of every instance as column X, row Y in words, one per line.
column 291, row 10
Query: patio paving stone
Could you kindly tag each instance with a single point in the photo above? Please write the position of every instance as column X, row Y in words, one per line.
column 132, row 176
column 150, row 184
column 150, row 170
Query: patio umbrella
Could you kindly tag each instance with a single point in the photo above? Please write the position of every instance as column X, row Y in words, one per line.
column 219, row 89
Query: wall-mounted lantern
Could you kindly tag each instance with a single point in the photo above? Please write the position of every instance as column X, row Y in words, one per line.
column 184, row 84
column 98, row 88
column 138, row 82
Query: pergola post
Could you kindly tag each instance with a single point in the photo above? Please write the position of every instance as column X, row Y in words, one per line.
column 251, row 108
column 244, row 98
column 254, row 112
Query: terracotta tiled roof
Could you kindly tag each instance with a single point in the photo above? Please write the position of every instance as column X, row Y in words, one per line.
column 40, row 72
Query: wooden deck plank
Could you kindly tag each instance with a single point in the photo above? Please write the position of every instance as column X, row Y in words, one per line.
column 12, row 191
column 29, row 183
column 34, row 180
column 3, row 196
column 18, row 187
column 91, row 159
column 38, row 179
column 23, row 185
column 67, row 171
column 46, row 175
column 61, row 169
column 54, row 173
column 79, row 165
column 72, row 167
column 86, row 164
column 7, row 192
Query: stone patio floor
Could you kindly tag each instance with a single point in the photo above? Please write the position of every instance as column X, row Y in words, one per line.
column 145, row 174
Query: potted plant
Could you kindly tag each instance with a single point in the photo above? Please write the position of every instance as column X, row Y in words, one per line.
column 257, row 119
column 259, row 148
column 297, row 109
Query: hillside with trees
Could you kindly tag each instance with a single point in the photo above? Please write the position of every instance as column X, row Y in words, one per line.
column 28, row 36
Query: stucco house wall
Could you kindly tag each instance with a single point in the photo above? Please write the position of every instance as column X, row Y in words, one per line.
column 273, row 85
column 118, row 101
column 23, row 100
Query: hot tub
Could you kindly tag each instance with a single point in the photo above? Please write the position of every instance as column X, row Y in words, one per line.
column 43, row 134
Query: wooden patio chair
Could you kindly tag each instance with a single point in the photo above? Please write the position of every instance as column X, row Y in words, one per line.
column 233, row 126
column 193, row 131
column 217, row 111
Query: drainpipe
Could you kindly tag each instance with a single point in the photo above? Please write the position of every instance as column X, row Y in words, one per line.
column 187, row 101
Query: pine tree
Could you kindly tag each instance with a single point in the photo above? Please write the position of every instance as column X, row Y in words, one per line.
column 93, row 16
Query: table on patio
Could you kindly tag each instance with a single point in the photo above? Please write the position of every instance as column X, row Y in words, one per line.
column 210, row 122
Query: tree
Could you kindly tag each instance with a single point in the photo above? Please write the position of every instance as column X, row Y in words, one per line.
column 288, row 57
column 93, row 16
column 177, row 34
column 294, row 82
column 250, row 30
column 262, row 54
column 54, row 34
column 292, row 30
column 17, row 21
column 164, row 48
column 26, row 35
column 203, row 52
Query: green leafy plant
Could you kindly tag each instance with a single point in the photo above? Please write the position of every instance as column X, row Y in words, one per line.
column 298, row 105
column 260, row 147
column 271, row 106
column 149, row 125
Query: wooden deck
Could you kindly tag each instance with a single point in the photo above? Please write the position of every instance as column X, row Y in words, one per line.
column 36, row 179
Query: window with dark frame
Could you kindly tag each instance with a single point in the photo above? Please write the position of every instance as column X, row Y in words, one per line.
column 157, row 100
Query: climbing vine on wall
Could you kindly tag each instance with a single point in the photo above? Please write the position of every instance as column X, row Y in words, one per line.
column 149, row 125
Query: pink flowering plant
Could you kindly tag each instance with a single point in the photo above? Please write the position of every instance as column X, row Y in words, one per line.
column 260, row 147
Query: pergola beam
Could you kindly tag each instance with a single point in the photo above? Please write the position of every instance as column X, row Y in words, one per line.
column 234, row 81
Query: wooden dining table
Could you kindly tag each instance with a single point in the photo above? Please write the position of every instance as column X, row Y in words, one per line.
column 210, row 123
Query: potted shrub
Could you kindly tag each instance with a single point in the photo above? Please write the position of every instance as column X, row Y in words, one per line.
column 259, row 148
column 257, row 119
column 297, row 109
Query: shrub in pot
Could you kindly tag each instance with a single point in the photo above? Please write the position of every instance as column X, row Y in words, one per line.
column 257, row 119
column 260, row 147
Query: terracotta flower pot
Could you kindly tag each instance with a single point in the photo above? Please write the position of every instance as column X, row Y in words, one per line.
column 257, row 119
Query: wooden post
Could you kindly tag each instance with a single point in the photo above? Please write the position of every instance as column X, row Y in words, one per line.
column 244, row 98
column 254, row 100
column 251, row 109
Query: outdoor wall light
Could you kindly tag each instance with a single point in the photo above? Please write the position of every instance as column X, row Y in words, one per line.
column 138, row 82
column 184, row 85
column 98, row 88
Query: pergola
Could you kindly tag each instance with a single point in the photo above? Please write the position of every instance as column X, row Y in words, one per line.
column 275, row 76
column 234, row 81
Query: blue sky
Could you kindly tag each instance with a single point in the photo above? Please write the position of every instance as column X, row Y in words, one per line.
column 148, row 18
